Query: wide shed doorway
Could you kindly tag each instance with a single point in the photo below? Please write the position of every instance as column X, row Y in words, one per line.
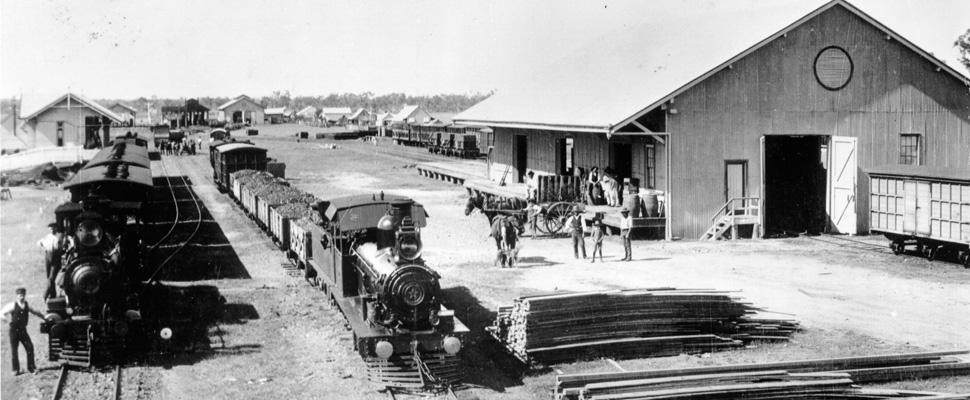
column 795, row 180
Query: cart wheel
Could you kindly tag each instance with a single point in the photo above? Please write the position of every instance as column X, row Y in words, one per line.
column 931, row 253
column 897, row 247
column 555, row 215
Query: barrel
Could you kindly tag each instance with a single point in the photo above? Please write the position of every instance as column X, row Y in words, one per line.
column 632, row 203
column 650, row 205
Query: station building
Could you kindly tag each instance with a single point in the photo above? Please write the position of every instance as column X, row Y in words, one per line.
column 64, row 121
column 784, row 117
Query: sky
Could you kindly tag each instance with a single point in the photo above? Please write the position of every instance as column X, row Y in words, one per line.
column 121, row 49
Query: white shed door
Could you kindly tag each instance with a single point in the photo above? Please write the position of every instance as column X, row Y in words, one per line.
column 842, row 181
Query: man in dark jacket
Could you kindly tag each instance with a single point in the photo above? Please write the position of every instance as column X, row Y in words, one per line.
column 19, row 311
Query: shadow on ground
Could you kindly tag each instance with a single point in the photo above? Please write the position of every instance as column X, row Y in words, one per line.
column 208, row 254
column 486, row 362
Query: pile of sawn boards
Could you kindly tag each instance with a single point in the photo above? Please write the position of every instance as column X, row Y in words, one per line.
column 830, row 378
column 631, row 323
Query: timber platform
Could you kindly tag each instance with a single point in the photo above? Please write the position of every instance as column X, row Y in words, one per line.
column 472, row 175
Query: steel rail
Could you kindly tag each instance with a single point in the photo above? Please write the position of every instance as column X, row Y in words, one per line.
column 195, row 231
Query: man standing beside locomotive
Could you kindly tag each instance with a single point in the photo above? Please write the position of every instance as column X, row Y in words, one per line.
column 19, row 312
column 53, row 245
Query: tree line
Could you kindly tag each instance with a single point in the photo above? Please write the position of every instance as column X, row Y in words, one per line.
column 393, row 102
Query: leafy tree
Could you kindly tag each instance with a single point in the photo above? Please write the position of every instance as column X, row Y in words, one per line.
column 963, row 44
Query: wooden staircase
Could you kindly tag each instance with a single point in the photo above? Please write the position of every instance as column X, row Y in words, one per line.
column 738, row 211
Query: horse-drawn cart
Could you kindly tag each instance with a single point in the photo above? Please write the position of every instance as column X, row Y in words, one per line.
column 557, row 195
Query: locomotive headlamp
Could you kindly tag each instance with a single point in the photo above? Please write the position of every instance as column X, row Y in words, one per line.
column 165, row 333
column 89, row 233
column 409, row 246
column 452, row 345
column 384, row 349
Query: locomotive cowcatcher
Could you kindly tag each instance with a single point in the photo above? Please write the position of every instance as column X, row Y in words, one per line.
column 367, row 257
column 95, row 317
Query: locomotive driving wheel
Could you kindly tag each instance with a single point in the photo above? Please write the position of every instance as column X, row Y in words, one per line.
column 555, row 217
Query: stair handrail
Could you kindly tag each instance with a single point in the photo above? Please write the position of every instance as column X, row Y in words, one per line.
column 718, row 215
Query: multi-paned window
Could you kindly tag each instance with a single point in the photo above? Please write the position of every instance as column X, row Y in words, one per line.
column 909, row 149
column 651, row 152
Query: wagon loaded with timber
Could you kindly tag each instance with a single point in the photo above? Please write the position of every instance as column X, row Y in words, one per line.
column 922, row 206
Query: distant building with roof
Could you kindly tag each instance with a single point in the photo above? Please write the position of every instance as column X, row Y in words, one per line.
column 188, row 114
column 66, row 120
column 125, row 112
column 308, row 113
column 275, row 115
column 335, row 115
column 412, row 115
column 242, row 109
column 777, row 120
column 362, row 118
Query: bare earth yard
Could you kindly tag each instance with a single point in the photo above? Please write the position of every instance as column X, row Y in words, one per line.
column 278, row 339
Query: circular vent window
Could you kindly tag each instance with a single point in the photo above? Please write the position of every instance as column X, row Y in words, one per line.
column 833, row 68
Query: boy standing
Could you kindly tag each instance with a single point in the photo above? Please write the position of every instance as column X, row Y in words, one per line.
column 599, row 232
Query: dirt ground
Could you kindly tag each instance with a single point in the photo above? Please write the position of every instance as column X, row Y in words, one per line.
column 276, row 338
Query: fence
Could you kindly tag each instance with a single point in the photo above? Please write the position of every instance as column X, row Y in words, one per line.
column 45, row 155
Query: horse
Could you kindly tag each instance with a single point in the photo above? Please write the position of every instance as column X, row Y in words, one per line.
column 491, row 206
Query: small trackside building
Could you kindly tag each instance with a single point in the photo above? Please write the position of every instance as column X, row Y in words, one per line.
column 790, row 116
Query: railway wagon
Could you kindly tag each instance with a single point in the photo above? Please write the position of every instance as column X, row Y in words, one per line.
column 922, row 206
column 366, row 255
column 300, row 249
column 466, row 146
column 235, row 156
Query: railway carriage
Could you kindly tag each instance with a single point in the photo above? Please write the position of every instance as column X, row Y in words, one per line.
column 229, row 157
column 922, row 206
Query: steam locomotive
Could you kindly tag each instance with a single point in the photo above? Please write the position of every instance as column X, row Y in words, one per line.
column 95, row 317
column 365, row 253
column 368, row 258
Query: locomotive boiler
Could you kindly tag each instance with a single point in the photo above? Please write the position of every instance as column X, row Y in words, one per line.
column 367, row 257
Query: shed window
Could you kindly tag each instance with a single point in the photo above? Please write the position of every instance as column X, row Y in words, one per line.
column 651, row 175
column 909, row 149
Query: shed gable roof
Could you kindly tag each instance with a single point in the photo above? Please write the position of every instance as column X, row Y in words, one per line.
column 34, row 105
column 643, row 70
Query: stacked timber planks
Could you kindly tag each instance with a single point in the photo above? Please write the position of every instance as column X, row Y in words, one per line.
column 631, row 323
column 833, row 377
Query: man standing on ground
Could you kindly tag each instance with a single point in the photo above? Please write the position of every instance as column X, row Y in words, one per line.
column 19, row 311
column 577, row 229
column 626, row 225
column 53, row 245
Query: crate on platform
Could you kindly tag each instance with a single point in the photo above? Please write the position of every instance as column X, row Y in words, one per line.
column 252, row 132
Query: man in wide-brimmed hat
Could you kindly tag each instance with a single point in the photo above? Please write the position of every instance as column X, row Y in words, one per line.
column 576, row 229
column 626, row 226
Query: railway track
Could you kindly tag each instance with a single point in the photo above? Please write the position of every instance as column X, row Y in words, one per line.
column 64, row 381
column 190, row 214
